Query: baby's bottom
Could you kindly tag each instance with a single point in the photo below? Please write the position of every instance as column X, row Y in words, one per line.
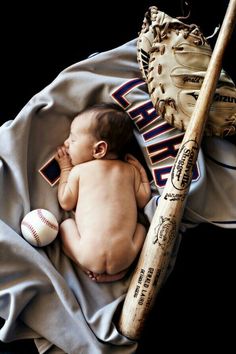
column 71, row 245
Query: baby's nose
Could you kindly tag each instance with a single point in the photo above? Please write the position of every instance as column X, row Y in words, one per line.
column 66, row 143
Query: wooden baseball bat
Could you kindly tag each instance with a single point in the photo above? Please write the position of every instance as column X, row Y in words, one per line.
column 154, row 258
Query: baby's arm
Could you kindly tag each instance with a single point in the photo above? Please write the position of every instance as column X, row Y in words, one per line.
column 68, row 183
column 143, row 190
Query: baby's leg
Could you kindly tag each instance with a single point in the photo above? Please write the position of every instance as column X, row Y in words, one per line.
column 70, row 239
column 138, row 239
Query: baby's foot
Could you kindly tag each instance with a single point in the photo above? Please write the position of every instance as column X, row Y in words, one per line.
column 92, row 275
column 104, row 277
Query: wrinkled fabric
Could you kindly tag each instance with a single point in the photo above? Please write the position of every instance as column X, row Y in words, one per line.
column 43, row 295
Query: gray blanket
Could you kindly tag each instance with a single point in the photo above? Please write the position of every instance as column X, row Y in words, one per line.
column 42, row 294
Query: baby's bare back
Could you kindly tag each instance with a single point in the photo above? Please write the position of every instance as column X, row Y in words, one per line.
column 106, row 212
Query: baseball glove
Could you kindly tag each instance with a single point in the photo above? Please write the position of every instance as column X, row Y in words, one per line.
column 173, row 59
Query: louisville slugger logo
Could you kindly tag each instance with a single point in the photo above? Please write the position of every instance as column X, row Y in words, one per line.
column 181, row 174
column 217, row 97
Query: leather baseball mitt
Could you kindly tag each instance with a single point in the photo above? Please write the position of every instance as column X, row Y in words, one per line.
column 173, row 58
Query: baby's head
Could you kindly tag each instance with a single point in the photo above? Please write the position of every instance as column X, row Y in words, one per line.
column 102, row 131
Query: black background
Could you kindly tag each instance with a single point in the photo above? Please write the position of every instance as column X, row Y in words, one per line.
column 196, row 308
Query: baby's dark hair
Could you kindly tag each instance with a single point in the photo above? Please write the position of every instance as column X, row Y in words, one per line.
column 113, row 126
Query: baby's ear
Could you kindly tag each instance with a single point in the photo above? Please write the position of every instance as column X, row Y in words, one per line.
column 100, row 149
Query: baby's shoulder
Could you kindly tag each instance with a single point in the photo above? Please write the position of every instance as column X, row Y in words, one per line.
column 76, row 170
column 116, row 167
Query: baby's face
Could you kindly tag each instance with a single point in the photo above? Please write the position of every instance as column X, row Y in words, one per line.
column 80, row 142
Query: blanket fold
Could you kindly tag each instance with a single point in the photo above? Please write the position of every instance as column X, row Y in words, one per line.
column 42, row 294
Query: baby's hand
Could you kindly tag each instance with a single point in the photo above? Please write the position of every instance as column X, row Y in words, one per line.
column 133, row 161
column 63, row 158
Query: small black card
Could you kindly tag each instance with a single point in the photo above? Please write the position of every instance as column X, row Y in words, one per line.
column 50, row 171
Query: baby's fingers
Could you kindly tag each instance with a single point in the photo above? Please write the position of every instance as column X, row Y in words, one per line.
column 132, row 160
column 61, row 152
column 129, row 158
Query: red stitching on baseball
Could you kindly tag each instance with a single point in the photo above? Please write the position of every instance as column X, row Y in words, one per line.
column 45, row 221
column 34, row 232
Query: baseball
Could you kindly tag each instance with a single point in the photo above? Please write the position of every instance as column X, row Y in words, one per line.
column 39, row 227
